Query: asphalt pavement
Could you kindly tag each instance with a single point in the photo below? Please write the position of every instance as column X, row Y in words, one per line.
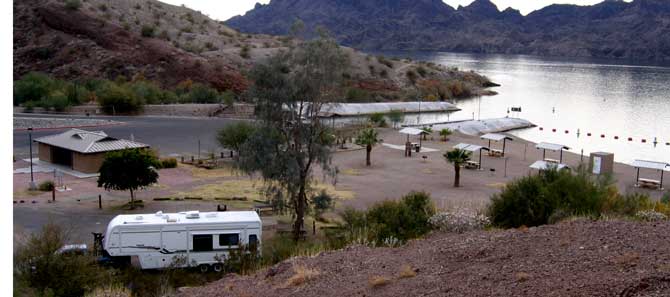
column 169, row 135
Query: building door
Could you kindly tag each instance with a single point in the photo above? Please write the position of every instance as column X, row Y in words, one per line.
column 61, row 156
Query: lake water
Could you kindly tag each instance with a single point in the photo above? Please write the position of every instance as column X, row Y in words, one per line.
column 613, row 98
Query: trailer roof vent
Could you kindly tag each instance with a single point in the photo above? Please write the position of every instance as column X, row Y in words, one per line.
column 171, row 219
column 139, row 218
column 193, row 214
column 159, row 213
column 211, row 215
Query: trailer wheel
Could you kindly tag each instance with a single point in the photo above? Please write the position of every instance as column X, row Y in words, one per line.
column 217, row 267
column 203, row 268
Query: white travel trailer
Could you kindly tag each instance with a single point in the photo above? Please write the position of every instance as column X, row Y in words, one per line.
column 185, row 239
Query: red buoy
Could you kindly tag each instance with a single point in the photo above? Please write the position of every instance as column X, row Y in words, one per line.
column 616, row 137
column 588, row 134
column 644, row 140
column 630, row 138
column 541, row 128
column 602, row 135
column 566, row 131
column 553, row 130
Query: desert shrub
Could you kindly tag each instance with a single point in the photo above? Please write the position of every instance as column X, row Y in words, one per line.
column 72, row 4
column 245, row 52
column 228, row 98
column 169, row 163
column 46, row 186
column 146, row 91
column 459, row 221
column 148, row 31
column 114, row 98
column 459, row 89
column 357, row 95
column 396, row 116
column 29, row 106
column 384, row 61
column 200, row 93
column 390, row 222
column 242, row 260
column 378, row 119
column 234, row 135
column 322, row 202
column 552, row 195
column 38, row 265
column 650, row 216
column 421, row 71
column 411, row 75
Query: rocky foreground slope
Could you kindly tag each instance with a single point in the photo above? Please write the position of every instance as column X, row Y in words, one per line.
column 579, row 258
column 636, row 29
column 170, row 44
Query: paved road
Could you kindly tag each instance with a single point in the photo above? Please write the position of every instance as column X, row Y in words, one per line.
column 167, row 134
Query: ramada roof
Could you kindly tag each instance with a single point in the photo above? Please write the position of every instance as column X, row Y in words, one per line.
column 87, row 142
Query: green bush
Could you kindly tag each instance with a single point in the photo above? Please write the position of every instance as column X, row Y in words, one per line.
column 552, row 195
column 148, row 31
column 56, row 101
column 322, row 202
column 378, row 119
column 357, row 95
column 169, row 163
column 39, row 268
column 200, row 93
column 33, row 86
column 387, row 221
column 72, row 4
column 118, row 99
column 46, row 186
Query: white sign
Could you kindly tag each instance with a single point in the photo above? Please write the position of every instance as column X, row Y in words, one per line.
column 597, row 162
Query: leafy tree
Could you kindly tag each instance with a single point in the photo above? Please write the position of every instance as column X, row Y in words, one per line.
column 128, row 170
column 457, row 157
column 445, row 133
column 33, row 86
column 40, row 270
column 115, row 98
column 233, row 136
column 396, row 117
column 200, row 93
column 367, row 138
column 291, row 88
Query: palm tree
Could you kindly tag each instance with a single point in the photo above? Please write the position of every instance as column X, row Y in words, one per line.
column 368, row 138
column 428, row 130
column 457, row 157
column 445, row 133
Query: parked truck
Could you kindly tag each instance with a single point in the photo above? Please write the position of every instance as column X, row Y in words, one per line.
column 184, row 239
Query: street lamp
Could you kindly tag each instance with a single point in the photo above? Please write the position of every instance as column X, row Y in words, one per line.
column 30, row 143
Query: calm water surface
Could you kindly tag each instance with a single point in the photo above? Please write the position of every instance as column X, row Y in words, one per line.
column 613, row 98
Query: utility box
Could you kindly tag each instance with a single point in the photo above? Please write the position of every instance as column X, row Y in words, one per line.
column 601, row 163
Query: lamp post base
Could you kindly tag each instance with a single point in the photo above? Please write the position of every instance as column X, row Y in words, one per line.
column 32, row 186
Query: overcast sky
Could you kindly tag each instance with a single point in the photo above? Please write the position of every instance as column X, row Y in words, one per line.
column 225, row 9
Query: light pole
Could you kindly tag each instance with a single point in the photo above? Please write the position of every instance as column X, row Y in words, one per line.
column 30, row 143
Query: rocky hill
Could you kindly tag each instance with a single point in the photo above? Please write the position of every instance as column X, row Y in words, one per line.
column 579, row 258
column 104, row 39
column 612, row 29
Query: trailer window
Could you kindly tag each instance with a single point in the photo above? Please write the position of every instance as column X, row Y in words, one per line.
column 229, row 239
column 253, row 239
column 202, row 243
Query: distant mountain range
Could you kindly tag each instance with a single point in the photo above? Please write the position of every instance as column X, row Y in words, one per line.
column 612, row 29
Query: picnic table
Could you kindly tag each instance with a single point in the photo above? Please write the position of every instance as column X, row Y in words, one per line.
column 552, row 161
column 648, row 183
column 471, row 165
column 495, row 153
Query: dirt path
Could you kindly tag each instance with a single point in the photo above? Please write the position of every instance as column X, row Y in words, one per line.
column 606, row 258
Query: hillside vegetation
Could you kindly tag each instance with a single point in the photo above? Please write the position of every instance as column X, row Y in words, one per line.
column 77, row 39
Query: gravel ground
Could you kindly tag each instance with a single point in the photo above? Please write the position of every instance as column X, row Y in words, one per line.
column 578, row 258
column 41, row 123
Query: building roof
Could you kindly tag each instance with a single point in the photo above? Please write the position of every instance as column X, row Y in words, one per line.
column 412, row 131
column 544, row 165
column 470, row 147
column 86, row 142
column 651, row 165
column 496, row 137
column 551, row 146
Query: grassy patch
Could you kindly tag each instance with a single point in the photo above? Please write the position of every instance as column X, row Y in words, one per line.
column 351, row 171
column 302, row 275
column 212, row 173
column 230, row 191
